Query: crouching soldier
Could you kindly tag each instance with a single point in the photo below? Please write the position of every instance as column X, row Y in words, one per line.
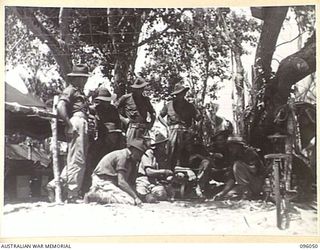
column 151, row 183
column 248, row 171
column 113, row 180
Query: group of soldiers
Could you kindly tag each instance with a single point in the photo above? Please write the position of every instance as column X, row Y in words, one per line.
column 138, row 168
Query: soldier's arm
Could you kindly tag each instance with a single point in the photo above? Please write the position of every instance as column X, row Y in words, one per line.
column 153, row 118
column 69, row 130
column 228, row 186
column 158, row 173
column 62, row 109
column 117, row 119
column 120, row 106
column 152, row 113
column 123, row 184
column 253, row 160
column 162, row 114
column 197, row 115
column 64, row 103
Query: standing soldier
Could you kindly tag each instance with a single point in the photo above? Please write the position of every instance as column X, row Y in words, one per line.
column 108, row 122
column 136, row 110
column 180, row 116
column 73, row 109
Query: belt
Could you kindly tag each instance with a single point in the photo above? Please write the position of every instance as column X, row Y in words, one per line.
column 178, row 126
column 106, row 177
column 137, row 125
column 103, row 176
column 80, row 114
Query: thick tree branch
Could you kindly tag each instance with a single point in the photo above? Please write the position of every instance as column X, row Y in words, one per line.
column 64, row 20
column 147, row 40
column 157, row 35
column 293, row 69
column 111, row 27
column 34, row 25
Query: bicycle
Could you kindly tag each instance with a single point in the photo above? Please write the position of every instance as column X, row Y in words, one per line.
column 278, row 181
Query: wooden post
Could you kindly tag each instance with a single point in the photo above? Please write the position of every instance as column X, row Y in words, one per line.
column 30, row 145
column 55, row 149
column 289, row 144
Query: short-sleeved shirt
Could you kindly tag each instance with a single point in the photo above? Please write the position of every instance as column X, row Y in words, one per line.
column 187, row 113
column 117, row 161
column 75, row 99
column 148, row 160
column 127, row 107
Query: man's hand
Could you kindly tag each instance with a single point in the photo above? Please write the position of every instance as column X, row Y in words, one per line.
column 218, row 196
column 137, row 201
column 168, row 172
column 199, row 192
column 218, row 155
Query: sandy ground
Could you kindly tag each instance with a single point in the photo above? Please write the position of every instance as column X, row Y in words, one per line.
column 42, row 219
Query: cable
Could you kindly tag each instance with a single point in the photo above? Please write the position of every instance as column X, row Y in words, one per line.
column 291, row 39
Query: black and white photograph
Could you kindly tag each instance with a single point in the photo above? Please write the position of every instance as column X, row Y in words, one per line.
column 138, row 121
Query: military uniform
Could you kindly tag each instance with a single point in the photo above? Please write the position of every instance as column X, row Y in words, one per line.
column 178, row 128
column 73, row 173
column 139, row 115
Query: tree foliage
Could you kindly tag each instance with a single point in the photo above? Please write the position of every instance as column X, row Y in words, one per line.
column 193, row 50
column 240, row 32
column 305, row 16
column 108, row 37
column 24, row 50
column 198, row 48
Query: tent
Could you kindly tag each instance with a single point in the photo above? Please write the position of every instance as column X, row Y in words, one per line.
column 27, row 114
column 15, row 96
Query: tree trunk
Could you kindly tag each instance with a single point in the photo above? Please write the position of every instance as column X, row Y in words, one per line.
column 256, row 121
column 62, row 57
column 121, row 75
column 273, row 18
column 124, row 29
column 239, row 83
column 293, row 69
